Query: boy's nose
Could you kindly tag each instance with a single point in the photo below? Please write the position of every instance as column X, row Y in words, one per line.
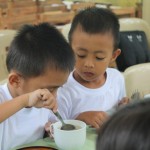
column 89, row 64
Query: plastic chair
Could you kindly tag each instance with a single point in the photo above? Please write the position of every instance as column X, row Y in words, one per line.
column 6, row 37
column 131, row 24
column 65, row 30
column 134, row 24
column 137, row 78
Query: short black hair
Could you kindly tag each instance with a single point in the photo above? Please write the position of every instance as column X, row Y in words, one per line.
column 36, row 48
column 128, row 129
column 95, row 20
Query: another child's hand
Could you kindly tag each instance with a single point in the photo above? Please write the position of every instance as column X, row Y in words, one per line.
column 93, row 118
column 42, row 98
column 47, row 128
column 124, row 101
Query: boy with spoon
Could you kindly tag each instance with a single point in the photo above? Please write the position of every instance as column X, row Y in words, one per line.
column 39, row 61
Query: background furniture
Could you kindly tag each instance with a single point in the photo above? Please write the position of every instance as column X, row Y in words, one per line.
column 134, row 24
column 130, row 24
column 57, row 17
column 137, row 78
column 6, row 37
column 123, row 12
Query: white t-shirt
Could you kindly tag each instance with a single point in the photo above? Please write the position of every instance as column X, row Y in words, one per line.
column 25, row 126
column 74, row 98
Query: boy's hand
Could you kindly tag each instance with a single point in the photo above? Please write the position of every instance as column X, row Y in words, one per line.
column 42, row 98
column 93, row 118
column 124, row 101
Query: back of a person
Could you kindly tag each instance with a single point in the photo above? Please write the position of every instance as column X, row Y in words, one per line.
column 128, row 129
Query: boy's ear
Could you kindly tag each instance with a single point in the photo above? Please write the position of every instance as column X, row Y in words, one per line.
column 116, row 53
column 14, row 79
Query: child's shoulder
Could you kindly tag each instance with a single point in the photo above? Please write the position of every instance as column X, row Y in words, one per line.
column 113, row 72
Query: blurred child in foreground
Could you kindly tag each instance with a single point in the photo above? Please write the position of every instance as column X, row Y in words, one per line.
column 128, row 129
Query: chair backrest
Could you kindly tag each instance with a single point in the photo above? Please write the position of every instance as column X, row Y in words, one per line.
column 131, row 24
column 65, row 30
column 6, row 37
column 137, row 78
column 57, row 17
column 134, row 42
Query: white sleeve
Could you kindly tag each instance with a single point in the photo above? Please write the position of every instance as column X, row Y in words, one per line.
column 1, row 124
column 2, row 99
column 1, row 134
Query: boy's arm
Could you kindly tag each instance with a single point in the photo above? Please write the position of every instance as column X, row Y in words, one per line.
column 9, row 108
column 39, row 98
column 93, row 118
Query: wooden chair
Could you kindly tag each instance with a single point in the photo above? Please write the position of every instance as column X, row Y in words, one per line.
column 22, row 3
column 3, row 7
column 2, row 19
column 22, row 7
column 123, row 12
column 23, row 11
column 103, row 5
column 57, row 17
column 3, row 4
column 81, row 5
column 20, row 12
column 53, row 7
column 18, row 21
column 48, row 2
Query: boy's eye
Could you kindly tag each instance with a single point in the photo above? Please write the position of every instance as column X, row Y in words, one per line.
column 81, row 56
column 98, row 58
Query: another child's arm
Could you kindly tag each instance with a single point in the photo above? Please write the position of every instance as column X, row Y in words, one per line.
column 39, row 98
column 93, row 118
column 124, row 101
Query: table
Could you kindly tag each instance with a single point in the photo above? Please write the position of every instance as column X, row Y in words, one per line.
column 47, row 142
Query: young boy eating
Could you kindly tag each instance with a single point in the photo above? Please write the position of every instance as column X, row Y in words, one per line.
column 39, row 61
column 93, row 89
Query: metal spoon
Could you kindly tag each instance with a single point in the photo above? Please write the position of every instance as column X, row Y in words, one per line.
column 64, row 125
